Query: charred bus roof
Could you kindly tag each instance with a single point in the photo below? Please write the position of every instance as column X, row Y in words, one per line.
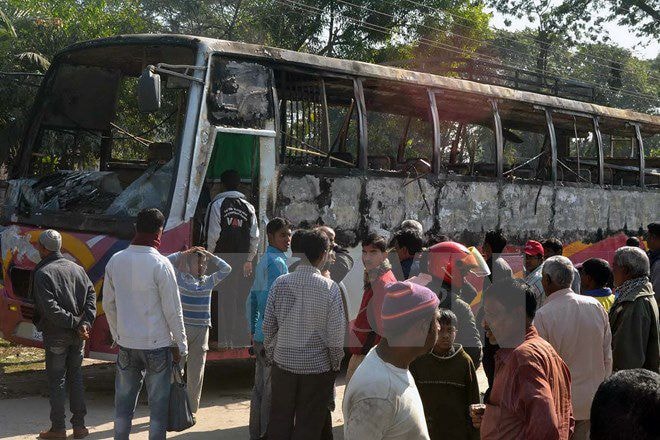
column 463, row 96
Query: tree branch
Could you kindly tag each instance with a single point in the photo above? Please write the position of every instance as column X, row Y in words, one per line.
column 230, row 29
column 641, row 4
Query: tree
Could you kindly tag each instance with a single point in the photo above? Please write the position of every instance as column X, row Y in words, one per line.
column 641, row 16
column 13, row 87
column 32, row 31
column 554, row 23
column 369, row 30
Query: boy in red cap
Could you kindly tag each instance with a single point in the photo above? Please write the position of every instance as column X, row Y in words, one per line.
column 381, row 400
column 534, row 269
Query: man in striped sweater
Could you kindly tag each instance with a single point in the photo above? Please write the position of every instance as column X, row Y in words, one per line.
column 195, row 288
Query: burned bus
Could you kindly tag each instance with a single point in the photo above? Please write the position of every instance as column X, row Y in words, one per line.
column 124, row 123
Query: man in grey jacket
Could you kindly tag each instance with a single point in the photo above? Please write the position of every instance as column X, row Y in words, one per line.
column 653, row 240
column 634, row 314
column 66, row 307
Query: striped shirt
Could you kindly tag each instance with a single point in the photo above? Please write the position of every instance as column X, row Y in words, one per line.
column 195, row 291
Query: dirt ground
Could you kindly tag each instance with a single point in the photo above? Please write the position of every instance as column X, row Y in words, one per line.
column 224, row 412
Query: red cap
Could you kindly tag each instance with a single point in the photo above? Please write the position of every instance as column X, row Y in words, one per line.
column 533, row 247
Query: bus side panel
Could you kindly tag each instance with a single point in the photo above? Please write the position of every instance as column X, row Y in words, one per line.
column 90, row 251
column 590, row 221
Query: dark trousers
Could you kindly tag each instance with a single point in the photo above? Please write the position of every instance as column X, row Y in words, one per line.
column 63, row 368
column 489, row 363
column 300, row 404
column 326, row 432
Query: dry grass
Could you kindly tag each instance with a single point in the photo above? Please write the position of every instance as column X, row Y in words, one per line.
column 18, row 358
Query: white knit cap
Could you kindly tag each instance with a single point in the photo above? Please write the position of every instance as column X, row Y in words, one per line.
column 51, row 240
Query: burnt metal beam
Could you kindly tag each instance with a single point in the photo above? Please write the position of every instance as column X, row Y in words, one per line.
column 640, row 149
column 553, row 143
column 437, row 136
column 499, row 140
column 601, row 151
column 363, row 138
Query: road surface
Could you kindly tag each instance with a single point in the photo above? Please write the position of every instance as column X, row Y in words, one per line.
column 224, row 411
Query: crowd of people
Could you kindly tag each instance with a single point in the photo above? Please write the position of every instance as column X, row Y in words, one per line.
column 570, row 352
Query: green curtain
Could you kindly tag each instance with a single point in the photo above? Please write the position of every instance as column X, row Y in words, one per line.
column 234, row 151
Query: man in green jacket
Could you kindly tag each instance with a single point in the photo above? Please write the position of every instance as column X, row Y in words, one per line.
column 634, row 314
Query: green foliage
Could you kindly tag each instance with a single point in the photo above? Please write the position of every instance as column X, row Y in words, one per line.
column 33, row 31
column 400, row 32
column 642, row 16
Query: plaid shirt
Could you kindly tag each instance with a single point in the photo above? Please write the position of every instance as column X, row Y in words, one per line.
column 304, row 323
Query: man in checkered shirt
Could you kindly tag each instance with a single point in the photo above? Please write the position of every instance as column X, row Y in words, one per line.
column 303, row 328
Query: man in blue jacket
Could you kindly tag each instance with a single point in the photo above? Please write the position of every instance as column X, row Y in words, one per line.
column 271, row 265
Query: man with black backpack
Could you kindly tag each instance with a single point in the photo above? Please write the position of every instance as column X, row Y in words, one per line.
column 232, row 232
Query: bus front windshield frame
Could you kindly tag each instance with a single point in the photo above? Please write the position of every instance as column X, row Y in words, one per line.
column 93, row 160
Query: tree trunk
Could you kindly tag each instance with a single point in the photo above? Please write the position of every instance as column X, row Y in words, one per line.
column 453, row 153
column 544, row 39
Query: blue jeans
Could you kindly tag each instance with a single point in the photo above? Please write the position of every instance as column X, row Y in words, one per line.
column 261, row 395
column 133, row 367
column 63, row 368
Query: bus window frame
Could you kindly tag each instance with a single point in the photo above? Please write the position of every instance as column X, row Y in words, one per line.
column 637, row 135
column 430, row 113
column 118, row 226
column 437, row 167
column 595, row 122
column 360, row 108
column 499, row 140
column 434, row 94
column 595, row 126
column 640, row 149
column 436, row 160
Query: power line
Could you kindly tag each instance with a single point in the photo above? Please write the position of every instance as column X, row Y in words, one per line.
column 528, row 37
column 451, row 48
column 478, row 41
column 552, row 50
column 302, row 7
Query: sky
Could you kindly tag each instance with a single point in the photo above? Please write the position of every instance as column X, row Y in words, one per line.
column 620, row 35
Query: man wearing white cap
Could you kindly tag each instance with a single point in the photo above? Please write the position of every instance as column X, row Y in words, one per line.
column 65, row 310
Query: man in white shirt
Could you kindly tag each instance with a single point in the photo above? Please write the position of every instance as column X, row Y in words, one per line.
column 553, row 247
column 381, row 401
column 578, row 328
column 142, row 304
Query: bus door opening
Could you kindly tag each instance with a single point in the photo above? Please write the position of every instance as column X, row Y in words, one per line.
column 239, row 152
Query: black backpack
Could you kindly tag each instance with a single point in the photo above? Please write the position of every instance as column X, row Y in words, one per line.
column 236, row 218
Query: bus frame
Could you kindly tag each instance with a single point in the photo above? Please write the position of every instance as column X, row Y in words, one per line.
column 275, row 175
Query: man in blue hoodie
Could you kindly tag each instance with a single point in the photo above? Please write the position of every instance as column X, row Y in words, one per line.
column 271, row 265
